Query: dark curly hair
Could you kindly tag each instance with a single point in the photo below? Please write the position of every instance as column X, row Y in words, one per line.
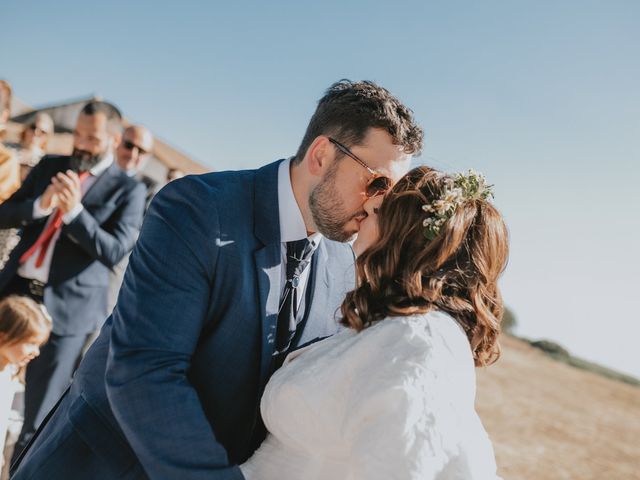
column 403, row 273
column 349, row 109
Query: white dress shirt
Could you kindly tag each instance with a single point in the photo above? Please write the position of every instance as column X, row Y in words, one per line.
column 28, row 269
column 292, row 225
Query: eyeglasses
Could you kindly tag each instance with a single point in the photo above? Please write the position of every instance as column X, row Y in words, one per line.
column 130, row 146
column 379, row 184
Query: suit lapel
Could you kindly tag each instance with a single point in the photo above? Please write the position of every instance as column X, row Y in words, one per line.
column 268, row 260
column 103, row 183
column 268, row 273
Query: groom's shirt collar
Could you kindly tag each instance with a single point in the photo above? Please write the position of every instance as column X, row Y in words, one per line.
column 292, row 226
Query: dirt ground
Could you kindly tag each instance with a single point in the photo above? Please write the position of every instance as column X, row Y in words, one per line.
column 548, row 420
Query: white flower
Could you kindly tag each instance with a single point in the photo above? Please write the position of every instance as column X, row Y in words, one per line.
column 454, row 196
column 441, row 206
column 456, row 190
column 428, row 208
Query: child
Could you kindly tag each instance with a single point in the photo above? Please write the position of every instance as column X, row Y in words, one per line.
column 24, row 327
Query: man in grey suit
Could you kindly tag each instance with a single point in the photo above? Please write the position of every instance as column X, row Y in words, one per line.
column 231, row 272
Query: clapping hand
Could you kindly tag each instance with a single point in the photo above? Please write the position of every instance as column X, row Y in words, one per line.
column 68, row 193
column 49, row 199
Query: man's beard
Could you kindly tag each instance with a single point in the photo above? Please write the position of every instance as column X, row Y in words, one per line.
column 83, row 161
column 327, row 210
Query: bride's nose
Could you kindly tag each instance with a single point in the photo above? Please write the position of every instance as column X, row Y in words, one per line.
column 371, row 206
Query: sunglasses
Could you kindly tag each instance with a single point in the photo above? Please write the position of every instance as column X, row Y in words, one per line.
column 379, row 184
column 130, row 146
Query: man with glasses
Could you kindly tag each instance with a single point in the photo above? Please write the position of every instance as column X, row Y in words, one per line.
column 134, row 149
column 132, row 154
column 232, row 271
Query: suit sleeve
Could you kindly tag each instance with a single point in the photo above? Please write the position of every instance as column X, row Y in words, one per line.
column 109, row 243
column 161, row 311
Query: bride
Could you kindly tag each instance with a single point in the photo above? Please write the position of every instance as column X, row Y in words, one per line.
column 392, row 395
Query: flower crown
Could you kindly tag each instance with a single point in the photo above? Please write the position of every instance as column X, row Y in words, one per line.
column 457, row 190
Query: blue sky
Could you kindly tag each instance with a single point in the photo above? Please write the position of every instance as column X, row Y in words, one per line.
column 542, row 96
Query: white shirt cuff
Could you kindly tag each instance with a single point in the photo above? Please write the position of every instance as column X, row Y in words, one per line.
column 38, row 211
column 70, row 216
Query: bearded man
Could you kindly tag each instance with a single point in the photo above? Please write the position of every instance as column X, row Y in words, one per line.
column 80, row 215
column 232, row 271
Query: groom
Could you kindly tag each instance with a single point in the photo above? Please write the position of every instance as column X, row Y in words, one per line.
column 231, row 271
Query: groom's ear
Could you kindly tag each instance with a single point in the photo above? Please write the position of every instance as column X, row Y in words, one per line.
column 319, row 156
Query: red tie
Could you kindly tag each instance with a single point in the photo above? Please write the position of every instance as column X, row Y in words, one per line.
column 44, row 240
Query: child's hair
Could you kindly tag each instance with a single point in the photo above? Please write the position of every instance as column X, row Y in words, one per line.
column 21, row 318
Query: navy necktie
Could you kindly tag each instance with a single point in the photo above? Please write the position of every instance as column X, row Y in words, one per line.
column 299, row 254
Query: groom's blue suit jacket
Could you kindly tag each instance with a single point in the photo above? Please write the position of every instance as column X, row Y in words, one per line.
column 172, row 386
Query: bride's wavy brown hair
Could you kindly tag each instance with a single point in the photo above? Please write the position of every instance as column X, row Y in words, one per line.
column 403, row 273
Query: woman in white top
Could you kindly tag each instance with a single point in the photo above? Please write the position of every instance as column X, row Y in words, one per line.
column 24, row 327
column 392, row 396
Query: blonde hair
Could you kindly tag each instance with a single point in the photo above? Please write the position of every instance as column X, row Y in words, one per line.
column 21, row 318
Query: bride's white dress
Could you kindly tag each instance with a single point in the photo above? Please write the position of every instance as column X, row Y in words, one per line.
column 395, row 401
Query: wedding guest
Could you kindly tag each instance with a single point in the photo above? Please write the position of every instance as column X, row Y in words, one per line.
column 134, row 149
column 80, row 215
column 132, row 153
column 9, row 173
column 33, row 143
column 24, row 327
column 32, row 146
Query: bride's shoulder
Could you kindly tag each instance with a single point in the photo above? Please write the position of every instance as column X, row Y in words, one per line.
column 419, row 328
column 421, row 338
column 417, row 351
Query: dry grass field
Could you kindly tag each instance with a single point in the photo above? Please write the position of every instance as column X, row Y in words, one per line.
column 548, row 420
